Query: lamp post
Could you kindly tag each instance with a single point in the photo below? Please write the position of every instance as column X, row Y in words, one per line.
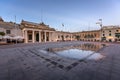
column 100, row 23
column 15, row 30
column 100, row 20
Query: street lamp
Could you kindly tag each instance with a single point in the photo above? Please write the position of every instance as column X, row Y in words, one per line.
column 100, row 20
column 15, row 30
column 101, row 25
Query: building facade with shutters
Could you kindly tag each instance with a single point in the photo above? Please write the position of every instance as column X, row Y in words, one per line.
column 63, row 36
column 110, row 33
column 93, row 35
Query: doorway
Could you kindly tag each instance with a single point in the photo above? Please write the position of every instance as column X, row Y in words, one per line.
column 37, row 37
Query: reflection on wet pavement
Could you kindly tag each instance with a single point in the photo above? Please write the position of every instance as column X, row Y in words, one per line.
column 68, row 57
column 84, row 51
column 79, row 54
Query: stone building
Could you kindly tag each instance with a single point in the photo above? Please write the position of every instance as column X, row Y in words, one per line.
column 10, row 28
column 110, row 33
column 62, row 36
column 40, row 32
column 36, row 32
column 88, row 35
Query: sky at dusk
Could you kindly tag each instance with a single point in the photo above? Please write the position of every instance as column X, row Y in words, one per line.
column 76, row 15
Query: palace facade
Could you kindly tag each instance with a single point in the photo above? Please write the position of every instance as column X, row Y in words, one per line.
column 40, row 32
column 34, row 32
column 88, row 35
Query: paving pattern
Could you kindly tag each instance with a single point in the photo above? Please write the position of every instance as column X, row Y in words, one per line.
column 25, row 62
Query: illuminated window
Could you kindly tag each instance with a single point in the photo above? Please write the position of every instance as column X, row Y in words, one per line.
column 117, row 30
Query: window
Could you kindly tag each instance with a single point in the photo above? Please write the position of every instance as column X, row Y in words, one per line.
column 110, row 34
column 58, row 36
column 103, row 34
column 110, row 31
column 62, row 36
column 67, row 36
column 95, row 35
column 117, row 30
column 117, row 35
column 30, row 37
column 8, row 32
column 103, row 31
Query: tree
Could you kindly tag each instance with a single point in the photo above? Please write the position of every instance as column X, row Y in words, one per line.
column 2, row 33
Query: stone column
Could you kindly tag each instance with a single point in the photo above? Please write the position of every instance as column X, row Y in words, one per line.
column 45, row 36
column 33, row 36
column 50, row 36
column 53, row 38
column 39, row 36
column 26, row 36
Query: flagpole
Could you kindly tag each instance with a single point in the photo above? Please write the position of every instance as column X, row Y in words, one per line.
column 41, row 16
column 101, row 28
column 62, row 26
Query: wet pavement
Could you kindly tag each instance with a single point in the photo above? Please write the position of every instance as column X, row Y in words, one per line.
column 85, row 51
column 31, row 62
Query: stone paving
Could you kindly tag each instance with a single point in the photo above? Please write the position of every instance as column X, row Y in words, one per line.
column 24, row 62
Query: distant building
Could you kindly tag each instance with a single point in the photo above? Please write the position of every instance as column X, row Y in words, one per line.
column 63, row 36
column 110, row 33
column 88, row 35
